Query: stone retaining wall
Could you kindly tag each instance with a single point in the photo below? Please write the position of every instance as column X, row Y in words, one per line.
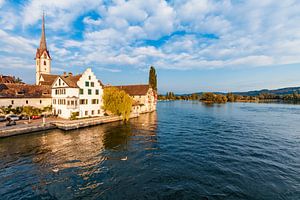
column 63, row 125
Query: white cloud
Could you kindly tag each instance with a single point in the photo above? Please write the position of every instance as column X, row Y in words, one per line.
column 131, row 11
column 184, row 34
column 60, row 13
column 16, row 62
column 88, row 20
column 109, row 69
column 1, row 3
column 161, row 22
column 16, row 44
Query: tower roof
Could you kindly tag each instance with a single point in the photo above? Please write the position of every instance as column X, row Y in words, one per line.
column 43, row 44
column 134, row 90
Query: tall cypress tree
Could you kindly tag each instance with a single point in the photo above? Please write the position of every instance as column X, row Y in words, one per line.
column 153, row 78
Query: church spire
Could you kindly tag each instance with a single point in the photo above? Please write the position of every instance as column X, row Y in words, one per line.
column 42, row 56
column 43, row 45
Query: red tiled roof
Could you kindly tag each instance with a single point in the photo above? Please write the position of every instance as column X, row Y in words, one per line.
column 7, row 79
column 134, row 90
column 71, row 80
column 14, row 90
column 48, row 79
column 100, row 82
column 39, row 53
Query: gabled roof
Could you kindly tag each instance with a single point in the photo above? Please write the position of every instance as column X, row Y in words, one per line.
column 6, row 79
column 134, row 90
column 15, row 90
column 100, row 82
column 70, row 80
column 39, row 53
column 48, row 79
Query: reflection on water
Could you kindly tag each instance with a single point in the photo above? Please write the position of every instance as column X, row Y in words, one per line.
column 56, row 162
column 186, row 151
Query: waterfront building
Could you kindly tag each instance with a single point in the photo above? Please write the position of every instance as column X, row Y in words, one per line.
column 77, row 95
column 68, row 94
column 18, row 95
column 144, row 97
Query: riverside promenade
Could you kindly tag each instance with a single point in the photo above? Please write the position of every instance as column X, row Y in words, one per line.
column 36, row 126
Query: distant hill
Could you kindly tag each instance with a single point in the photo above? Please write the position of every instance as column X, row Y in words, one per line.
column 281, row 91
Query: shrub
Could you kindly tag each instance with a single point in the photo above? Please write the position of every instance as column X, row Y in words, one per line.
column 74, row 115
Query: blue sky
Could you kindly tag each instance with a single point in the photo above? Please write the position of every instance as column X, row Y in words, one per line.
column 195, row 45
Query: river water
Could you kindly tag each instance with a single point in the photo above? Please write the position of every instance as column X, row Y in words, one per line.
column 186, row 150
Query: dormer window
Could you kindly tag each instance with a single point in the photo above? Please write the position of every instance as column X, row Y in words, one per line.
column 45, row 55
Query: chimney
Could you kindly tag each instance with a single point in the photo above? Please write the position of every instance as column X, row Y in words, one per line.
column 70, row 74
column 65, row 74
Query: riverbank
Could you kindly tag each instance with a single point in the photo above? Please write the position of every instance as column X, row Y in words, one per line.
column 242, row 101
column 58, row 124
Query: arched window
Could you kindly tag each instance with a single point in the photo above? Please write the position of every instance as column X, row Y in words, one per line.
column 45, row 62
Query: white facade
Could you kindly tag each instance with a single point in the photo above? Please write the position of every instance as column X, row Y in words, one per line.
column 91, row 93
column 19, row 102
column 145, row 103
column 81, row 95
column 43, row 66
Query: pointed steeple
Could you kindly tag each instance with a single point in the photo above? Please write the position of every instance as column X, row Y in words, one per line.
column 42, row 56
column 43, row 45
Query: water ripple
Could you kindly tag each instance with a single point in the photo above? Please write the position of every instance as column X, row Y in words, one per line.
column 184, row 151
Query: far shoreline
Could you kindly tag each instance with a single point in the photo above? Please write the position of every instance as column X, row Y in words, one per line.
column 270, row 101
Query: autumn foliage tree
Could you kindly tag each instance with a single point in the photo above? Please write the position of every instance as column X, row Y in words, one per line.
column 118, row 102
column 210, row 97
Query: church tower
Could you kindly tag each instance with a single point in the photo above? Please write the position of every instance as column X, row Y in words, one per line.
column 42, row 57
